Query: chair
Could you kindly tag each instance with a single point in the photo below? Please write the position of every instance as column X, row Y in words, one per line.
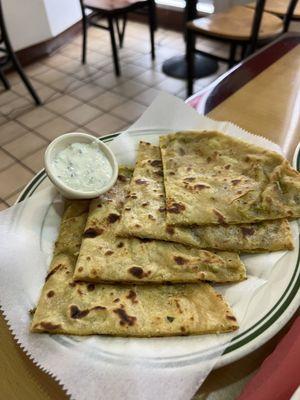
column 281, row 9
column 115, row 12
column 238, row 26
column 10, row 57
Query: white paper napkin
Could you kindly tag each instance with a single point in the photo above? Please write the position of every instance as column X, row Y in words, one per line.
column 118, row 368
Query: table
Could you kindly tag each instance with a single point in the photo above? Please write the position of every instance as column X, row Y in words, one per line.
column 261, row 94
column 177, row 66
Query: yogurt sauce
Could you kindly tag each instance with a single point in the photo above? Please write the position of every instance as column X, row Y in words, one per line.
column 83, row 166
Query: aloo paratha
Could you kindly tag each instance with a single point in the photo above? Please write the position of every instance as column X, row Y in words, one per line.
column 104, row 257
column 213, row 178
column 144, row 216
column 84, row 309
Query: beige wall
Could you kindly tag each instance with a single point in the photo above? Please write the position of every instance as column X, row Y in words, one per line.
column 34, row 21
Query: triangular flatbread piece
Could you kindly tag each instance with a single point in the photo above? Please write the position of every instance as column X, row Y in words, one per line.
column 84, row 308
column 212, row 178
column 104, row 257
column 144, row 216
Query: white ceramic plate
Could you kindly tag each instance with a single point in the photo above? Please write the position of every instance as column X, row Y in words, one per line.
column 264, row 319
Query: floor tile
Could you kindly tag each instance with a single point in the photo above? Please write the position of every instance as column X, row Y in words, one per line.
column 105, row 124
column 87, row 92
column 49, row 76
column 109, row 68
column 3, row 120
column 66, row 84
column 131, row 70
column 5, row 160
column 171, row 85
column 56, row 127
column 108, row 100
column 13, row 179
column 11, row 200
column 47, row 94
column 36, row 69
column 63, row 104
column 36, row 160
column 151, row 78
column 13, row 77
column 83, row 114
column 147, row 96
column 129, row 111
column 128, row 52
column 70, row 67
column 10, row 131
column 71, row 50
column 130, row 88
column 57, row 60
column 97, row 59
column 36, row 117
column 86, row 72
column 109, row 80
column 17, row 107
column 22, row 90
column 182, row 94
column 3, row 206
column 6, row 96
column 144, row 61
column 25, row 145
column 94, row 44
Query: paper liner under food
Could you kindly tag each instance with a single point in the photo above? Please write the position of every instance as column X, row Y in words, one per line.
column 112, row 368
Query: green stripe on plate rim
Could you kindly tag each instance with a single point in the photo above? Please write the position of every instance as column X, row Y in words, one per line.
column 239, row 340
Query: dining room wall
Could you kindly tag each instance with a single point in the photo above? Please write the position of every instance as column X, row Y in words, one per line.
column 34, row 21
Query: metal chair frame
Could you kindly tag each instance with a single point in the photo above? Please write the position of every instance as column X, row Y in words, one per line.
column 115, row 18
column 11, row 58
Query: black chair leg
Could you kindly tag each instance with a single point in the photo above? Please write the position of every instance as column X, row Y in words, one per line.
column 24, row 78
column 190, row 58
column 121, row 32
column 113, row 45
column 84, row 39
column 232, row 54
column 152, row 25
column 11, row 56
column 244, row 51
column 4, row 80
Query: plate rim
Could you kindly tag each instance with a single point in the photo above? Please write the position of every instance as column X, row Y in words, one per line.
column 234, row 351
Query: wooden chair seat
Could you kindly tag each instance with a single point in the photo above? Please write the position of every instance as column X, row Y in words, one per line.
column 111, row 5
column 279, row 7
column 236, row 23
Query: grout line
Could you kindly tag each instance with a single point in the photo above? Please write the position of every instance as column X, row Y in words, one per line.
column 5, row 202
column 18, row 160
column 19, row 190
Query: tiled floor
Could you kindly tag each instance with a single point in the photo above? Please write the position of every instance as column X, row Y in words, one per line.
column 82, row 98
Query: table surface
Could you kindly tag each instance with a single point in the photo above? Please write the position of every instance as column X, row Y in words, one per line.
column 261, row 95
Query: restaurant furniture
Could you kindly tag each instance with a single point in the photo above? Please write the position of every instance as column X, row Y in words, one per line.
column 8, row 57
column 238, row 26
column 176, row 66
column 115, row 12
column 280, row 8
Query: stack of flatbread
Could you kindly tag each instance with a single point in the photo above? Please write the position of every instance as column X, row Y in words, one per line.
column 140, row 259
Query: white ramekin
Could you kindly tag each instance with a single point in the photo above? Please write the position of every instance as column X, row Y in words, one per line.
column 61, row 143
